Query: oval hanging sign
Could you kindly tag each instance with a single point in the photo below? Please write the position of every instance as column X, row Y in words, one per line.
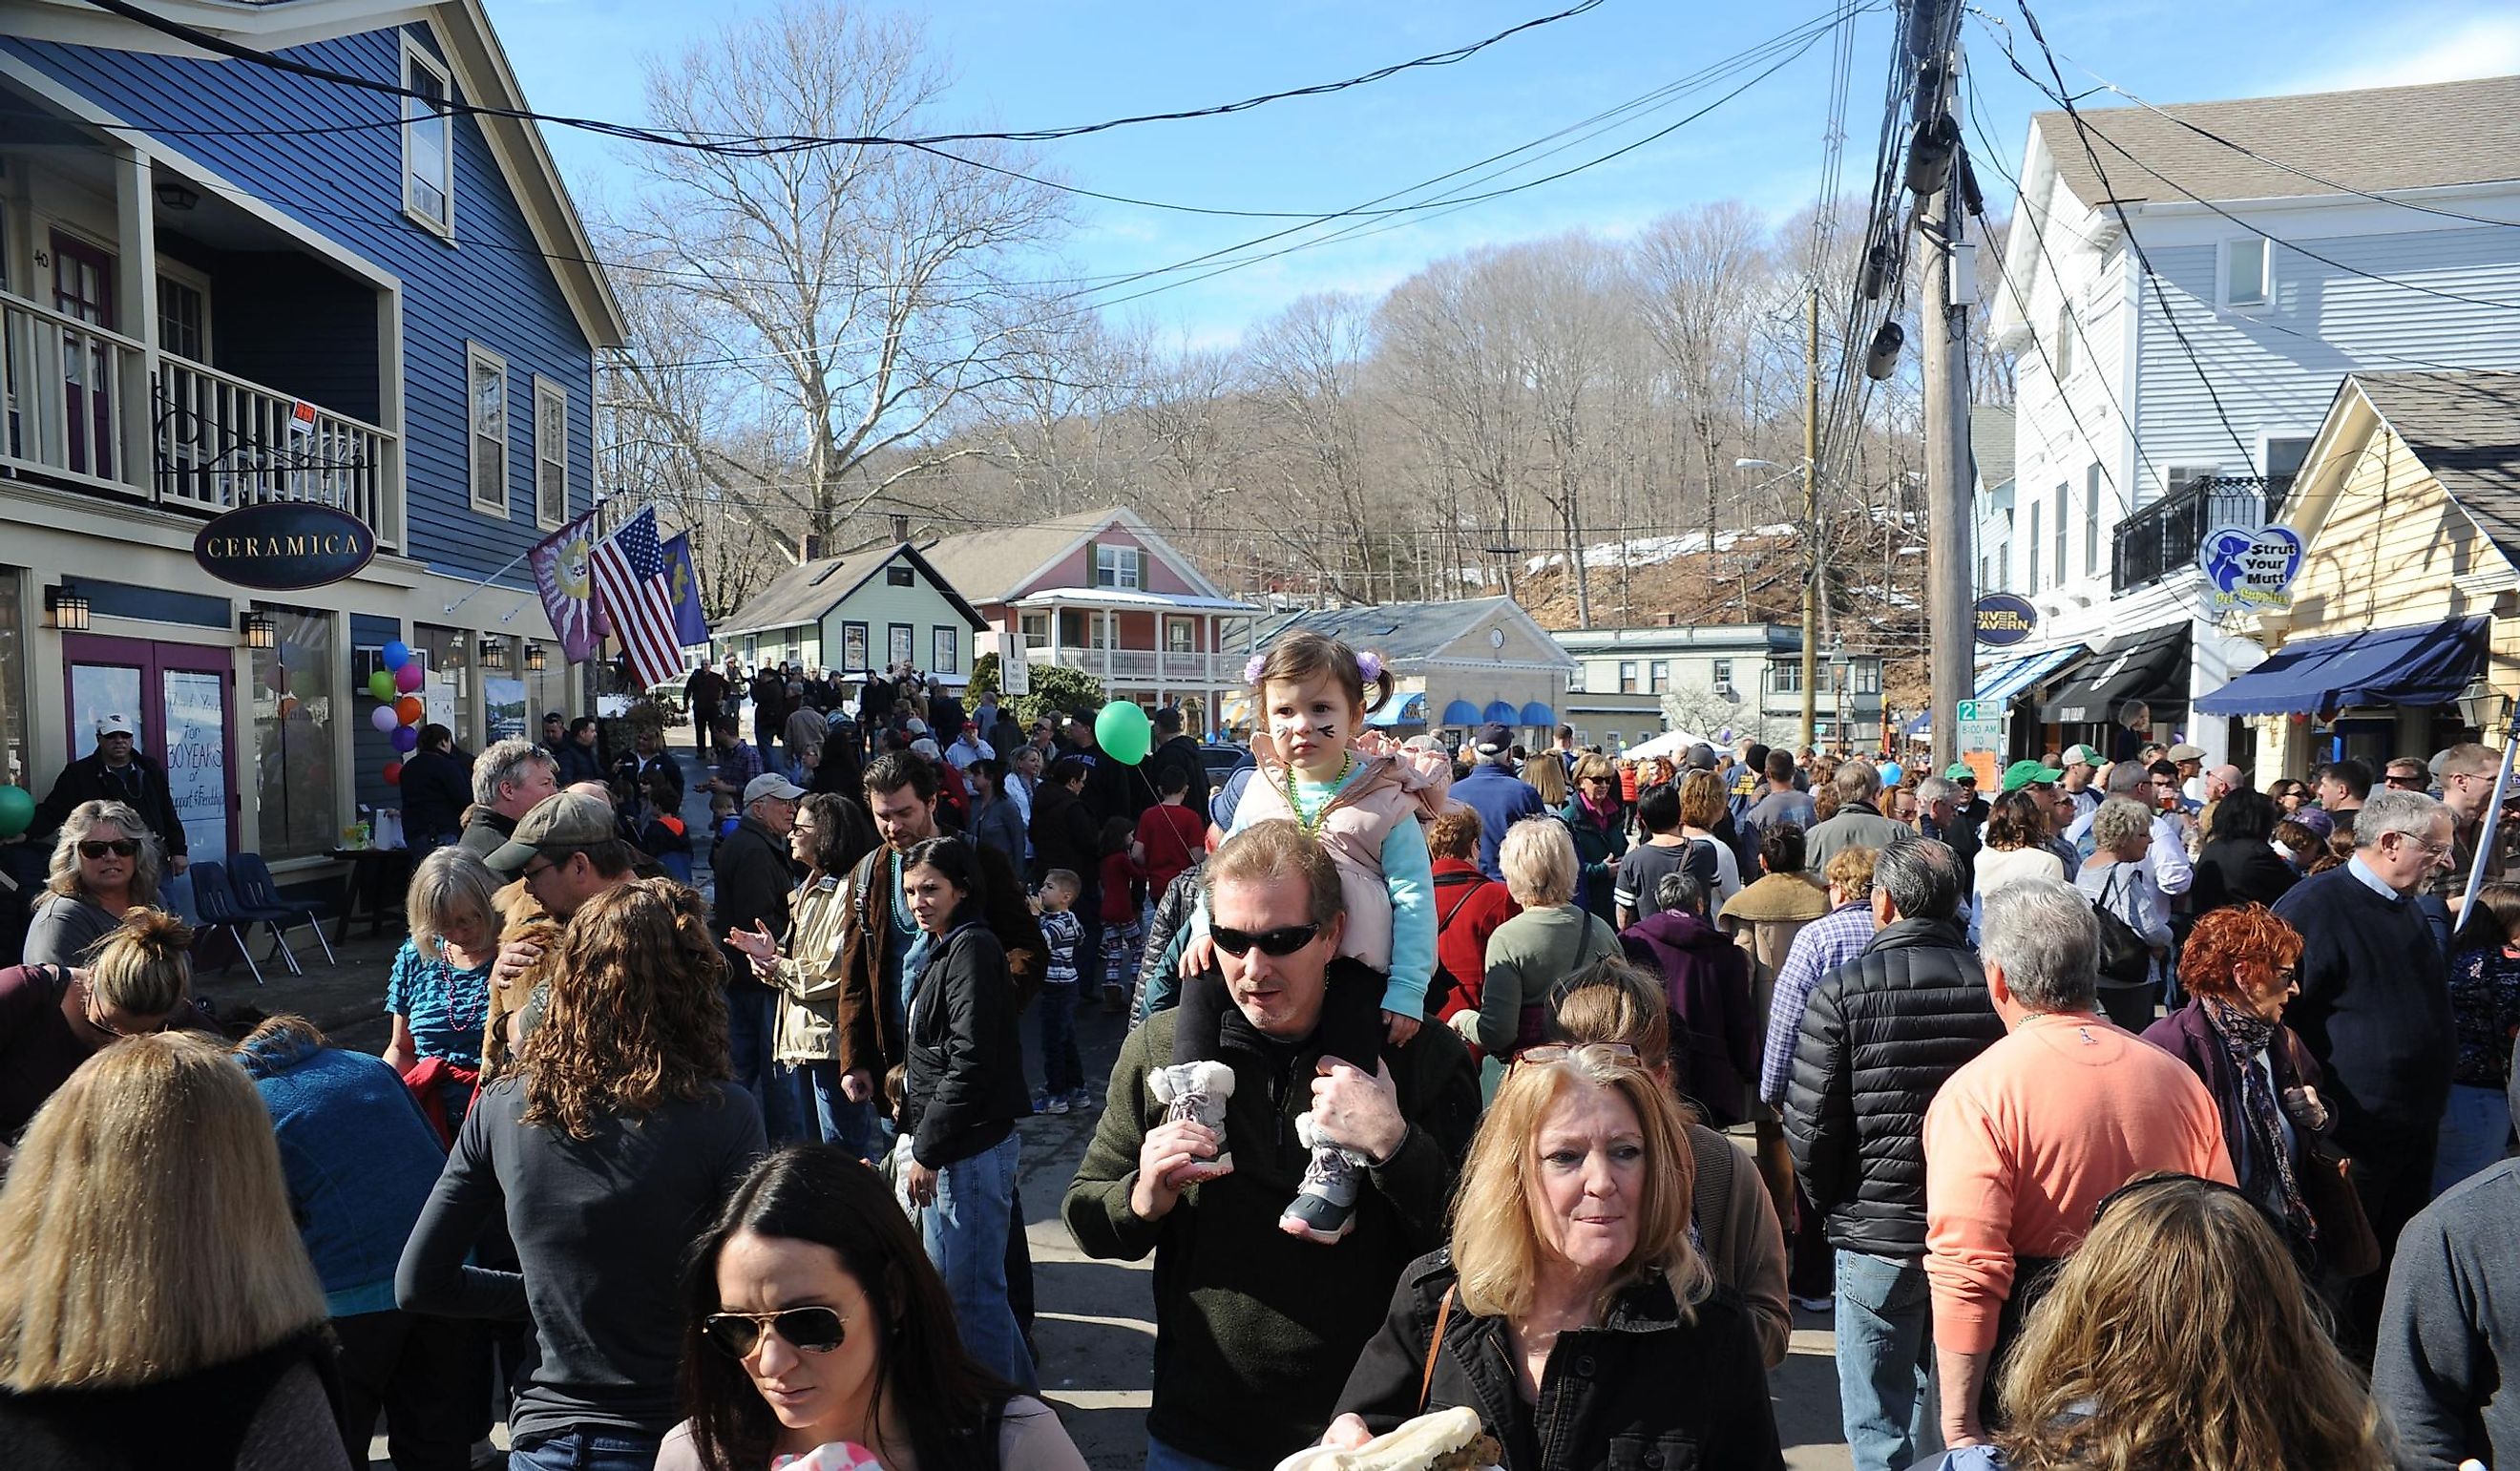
column 2004, row 620
column 281, row 545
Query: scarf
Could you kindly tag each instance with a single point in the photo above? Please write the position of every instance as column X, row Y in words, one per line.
column 2245, row 1035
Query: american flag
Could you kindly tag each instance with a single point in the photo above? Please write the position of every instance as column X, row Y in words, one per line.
column 629, row 567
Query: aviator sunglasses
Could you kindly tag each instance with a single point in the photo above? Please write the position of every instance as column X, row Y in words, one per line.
column 119, row 847
column 816, row 1330
column 1280, row 942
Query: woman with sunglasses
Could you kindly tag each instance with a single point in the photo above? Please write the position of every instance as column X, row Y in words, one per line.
column 813, row 1321
column 1553, row 937
column 963, row 1089
column 55, row 1017
column 104, row 863
column 2179, row 1335
column 1571, row 1267
column 614, row 1132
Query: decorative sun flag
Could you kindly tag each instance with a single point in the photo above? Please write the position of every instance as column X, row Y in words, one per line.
column 630, row 588
column 683, row 580
column 560, row 573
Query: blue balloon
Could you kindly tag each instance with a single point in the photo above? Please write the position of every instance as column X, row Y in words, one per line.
column 396, row 654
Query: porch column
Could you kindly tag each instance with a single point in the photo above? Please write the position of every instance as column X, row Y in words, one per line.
column 135, row 287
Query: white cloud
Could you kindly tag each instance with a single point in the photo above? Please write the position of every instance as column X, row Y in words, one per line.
column 2454, row 51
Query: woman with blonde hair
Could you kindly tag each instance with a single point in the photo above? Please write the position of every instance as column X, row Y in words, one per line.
column 438, row 991
column 1702, row 808
column 105, row 862
column 615, row 1131
column 54, row 1018
column 2179, row 1334
column 1550, row 939
column 1548, row 776
column 1571, row 1267
column 156, row 1304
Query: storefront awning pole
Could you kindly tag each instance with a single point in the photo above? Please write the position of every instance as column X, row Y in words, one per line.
column 2484, row 834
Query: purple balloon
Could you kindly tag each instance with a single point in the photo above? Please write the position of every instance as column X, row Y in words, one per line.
column 405, row 739
column 407, row 679
column 382, row 718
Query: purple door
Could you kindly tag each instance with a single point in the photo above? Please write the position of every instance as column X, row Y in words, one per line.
column 83, row 288
column 180, row 697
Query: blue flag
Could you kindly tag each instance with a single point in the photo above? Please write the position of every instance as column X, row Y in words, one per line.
column 684, row 582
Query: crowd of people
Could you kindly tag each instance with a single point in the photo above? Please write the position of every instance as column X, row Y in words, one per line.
column 2111, row 1124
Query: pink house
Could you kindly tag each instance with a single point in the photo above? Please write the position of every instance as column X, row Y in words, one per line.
column 1101, row 591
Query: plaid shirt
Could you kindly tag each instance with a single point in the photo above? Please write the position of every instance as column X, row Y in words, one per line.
column 1824, row 944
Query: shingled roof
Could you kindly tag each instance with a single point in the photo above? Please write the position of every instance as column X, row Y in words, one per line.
column 2376, row 139
column 804, row 592
column 2464, row 428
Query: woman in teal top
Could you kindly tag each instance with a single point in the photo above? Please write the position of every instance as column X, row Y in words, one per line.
column 438, row 993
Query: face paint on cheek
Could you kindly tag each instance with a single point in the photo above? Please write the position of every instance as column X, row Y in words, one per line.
column 1286, row 726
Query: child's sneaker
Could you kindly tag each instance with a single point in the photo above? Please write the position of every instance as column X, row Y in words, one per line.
column 1323, row 1208
column 1196, row 1092
column 1082, row 1101
column 1052, row 1103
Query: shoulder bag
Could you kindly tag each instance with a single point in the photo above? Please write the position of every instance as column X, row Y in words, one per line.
column 2125, row 958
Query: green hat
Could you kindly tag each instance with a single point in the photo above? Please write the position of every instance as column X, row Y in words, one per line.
column 1960, row 771
column 2021, row 774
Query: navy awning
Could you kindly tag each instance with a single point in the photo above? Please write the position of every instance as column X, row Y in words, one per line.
column 1538, row 714
column 1407, row 710
column 1461, row 712
column 2426, row 665
column 1501, row 712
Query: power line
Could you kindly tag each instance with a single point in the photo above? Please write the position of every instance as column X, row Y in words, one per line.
column 768, row 145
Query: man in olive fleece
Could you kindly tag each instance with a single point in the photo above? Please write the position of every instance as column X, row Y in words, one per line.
column 1256, row 1329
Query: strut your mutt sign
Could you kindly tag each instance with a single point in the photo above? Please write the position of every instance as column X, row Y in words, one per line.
column 2249, row 569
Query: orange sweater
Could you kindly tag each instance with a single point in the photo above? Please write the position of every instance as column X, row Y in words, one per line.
column 2022, row 1142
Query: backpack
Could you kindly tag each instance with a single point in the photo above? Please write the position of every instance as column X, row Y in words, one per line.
column 2125, row 958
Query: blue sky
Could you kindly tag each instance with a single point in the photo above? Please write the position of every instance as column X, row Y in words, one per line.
column 1057, row 61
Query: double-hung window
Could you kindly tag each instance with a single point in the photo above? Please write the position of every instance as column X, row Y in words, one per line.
column 486, row 396
column 428, row 143
column 550, row 453
column 1118, row 566
column 2247, row 273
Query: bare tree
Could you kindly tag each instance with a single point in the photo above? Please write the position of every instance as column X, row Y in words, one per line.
column 1702, row 274
column 862, row 290
column 1458, row 376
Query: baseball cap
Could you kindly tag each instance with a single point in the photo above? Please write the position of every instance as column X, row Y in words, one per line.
column 114, row 725
column 2080, row 755
column 771, row 784
column 926, row 747
column 563, row 820
column 2185, row 752
column 1960, row 771
column 1495, row 740
column 917, row 727
column 2021, row 774
column 1702, row 757
column 2317, row 820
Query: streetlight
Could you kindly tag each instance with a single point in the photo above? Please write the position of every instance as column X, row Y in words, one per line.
column 1838, row 664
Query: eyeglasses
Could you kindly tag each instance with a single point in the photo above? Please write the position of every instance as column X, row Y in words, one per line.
column 2395, row 780
column 1616, row 1053
column 1282, row 941
column 87, row 1009
column 2158, row 1178
column 119, row 847
column 816, row 1330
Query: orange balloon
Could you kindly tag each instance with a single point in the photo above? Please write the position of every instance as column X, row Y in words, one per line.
column 408, row 709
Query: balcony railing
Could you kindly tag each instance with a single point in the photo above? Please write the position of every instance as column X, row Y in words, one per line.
column 1143, row 663
column 72, row 401
column 2162, row 538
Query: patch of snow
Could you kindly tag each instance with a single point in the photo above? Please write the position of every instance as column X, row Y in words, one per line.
column 1652, row 550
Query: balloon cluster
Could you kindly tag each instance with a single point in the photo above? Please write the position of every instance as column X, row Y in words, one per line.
column 398, row 711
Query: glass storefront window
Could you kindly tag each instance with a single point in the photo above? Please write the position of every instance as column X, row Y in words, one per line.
column 296, row 781
column 14, row 755
column 503, row 694
column 448, row 690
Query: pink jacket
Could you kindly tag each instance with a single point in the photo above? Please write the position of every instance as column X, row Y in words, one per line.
column 1396, row 782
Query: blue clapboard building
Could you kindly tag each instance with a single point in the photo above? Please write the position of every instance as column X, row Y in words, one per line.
column 223, row 285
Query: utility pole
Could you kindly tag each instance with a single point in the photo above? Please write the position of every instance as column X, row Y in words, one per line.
column 1810, row 523
column 1950, row 290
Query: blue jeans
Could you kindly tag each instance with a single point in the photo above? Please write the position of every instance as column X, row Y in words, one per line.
column 824, row 1114
column 2473, row 1131
column 965, row 1235
column 588, row 1451
column 1163, row 1458
column 1062, row 1071
column 1885, row 1360
column 751, row 1032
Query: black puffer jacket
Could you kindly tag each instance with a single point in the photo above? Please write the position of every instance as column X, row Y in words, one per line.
column 1882, row 1032
column 964, row 1087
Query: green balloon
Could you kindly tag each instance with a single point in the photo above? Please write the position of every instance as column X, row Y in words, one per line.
column 1123, row 731
column 16, row 810
column 381, row 684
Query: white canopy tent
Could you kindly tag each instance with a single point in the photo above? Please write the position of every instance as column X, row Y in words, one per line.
column 1670, row 745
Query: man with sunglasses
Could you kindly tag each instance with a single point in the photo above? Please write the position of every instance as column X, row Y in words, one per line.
column 116, row 772
column 1256, row 1329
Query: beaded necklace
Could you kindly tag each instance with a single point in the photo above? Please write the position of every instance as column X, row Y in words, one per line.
column 1311, row 826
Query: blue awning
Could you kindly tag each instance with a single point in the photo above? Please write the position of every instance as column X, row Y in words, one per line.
column 1917, row 726
column 1461, row 712
column 2426, row 665
column 1407, row 710
column 2001, row 682
column 1538, row 714
column 1501, row 712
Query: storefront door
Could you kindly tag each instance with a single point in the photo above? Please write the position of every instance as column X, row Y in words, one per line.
column 179, row 697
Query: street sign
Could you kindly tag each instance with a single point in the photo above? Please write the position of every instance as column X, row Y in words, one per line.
column 1981, row 735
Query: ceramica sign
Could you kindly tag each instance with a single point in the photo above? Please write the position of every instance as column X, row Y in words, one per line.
column 281, row 545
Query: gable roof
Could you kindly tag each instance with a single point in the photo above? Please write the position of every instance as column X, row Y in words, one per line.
column 1405, row 631
column 483, row 77
column 807, row 592
column 2376, row 139
column 995, row 565
column 2464, row 428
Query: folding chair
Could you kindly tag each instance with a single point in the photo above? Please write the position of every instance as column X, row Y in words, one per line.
column 261, row 895
column 218, row 907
